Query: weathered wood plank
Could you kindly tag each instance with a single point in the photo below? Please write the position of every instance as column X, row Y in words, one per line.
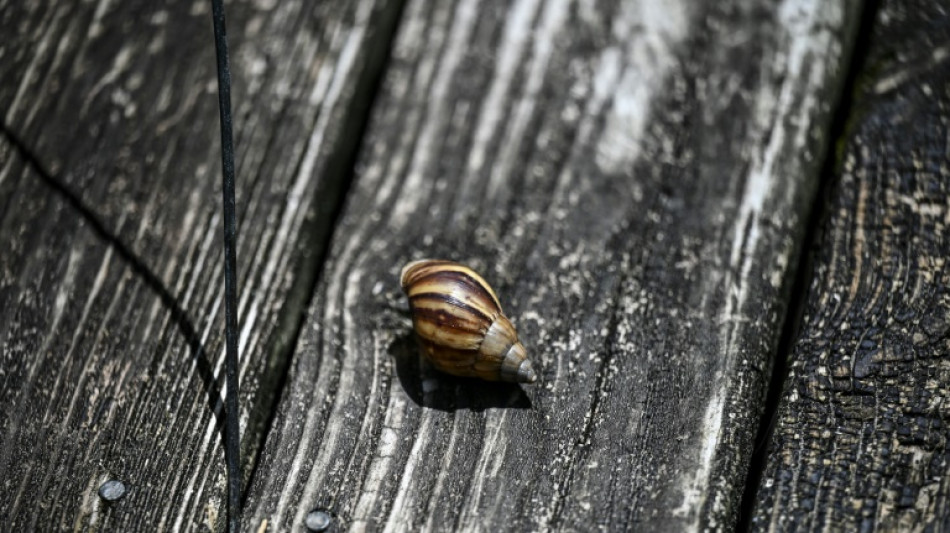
column 110, row 278
column 861, row 439
column 633, row 180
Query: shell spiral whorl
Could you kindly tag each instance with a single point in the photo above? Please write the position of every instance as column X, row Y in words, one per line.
column 460, row 324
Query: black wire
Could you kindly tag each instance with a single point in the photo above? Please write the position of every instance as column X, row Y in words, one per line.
column 232, row 440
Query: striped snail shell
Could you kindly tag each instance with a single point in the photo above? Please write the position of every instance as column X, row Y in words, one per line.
column 460, row 324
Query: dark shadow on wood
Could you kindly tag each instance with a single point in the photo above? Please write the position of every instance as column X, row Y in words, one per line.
column 804, row 273
column 169, row 301
column 446, row 392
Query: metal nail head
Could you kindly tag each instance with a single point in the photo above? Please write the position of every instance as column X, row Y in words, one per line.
column 112, row 490
column 318, row 520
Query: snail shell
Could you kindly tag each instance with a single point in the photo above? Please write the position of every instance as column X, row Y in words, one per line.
column 460, row 324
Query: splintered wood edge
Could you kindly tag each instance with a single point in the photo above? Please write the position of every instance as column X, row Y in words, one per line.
column 860, row 435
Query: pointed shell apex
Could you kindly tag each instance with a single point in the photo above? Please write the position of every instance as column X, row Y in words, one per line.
column 526, row 373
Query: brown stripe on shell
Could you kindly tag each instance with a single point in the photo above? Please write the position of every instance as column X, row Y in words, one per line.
column 444, row 312
column 442, row 356
column 464, row 363
column 434, row 300
column 460, row 286
column 456, row 290
column 447, row 328
column 429, row 272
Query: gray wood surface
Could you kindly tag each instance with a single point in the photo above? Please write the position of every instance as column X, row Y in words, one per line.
column 110, row 278
column 633, row 180
column 861, row 440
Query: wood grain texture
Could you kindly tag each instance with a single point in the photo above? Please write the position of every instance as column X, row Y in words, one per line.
column 110, row 271
column 861, row 439
column 632, row 180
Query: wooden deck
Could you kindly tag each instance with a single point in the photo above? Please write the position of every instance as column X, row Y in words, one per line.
column 720, row 227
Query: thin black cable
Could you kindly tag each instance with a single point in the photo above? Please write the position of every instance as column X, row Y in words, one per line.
column 232, row 439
